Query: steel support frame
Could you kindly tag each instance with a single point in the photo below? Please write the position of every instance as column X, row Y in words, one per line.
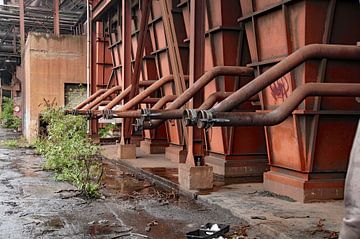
column 56, row 17
column 126, row 59
column 195, row 147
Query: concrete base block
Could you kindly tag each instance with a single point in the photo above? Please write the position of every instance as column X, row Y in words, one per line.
column 127, row 151
column 242, row 170
column 302, row 190
column 176, row 153
column 153, row 147
column 195, row 177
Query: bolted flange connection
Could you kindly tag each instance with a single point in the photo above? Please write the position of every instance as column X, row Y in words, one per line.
column 190, row 117
column 206, row 119
column 108, row 114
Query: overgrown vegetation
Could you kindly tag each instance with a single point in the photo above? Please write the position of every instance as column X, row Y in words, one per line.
column 107, row 130
column 7, row 117
column 16, row 143
column 69, row 152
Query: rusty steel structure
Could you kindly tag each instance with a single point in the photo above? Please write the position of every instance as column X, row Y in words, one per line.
column 275, row 83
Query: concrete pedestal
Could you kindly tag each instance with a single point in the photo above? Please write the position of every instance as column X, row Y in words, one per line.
column 176, row 153
column 235, row 169
column 127, row 151
column 309, row 188
column 153, row 146
column 195, row 177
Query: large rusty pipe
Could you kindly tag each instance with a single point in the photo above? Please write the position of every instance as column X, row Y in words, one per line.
column 118, row 98
column 313, row 51
column 200, row 84
column 213, row 99
column 151, row 89
column 90, row 99
column 208, row 118
column 163, row 101
column 101, row 91
column 127, row 91
column 102, row 97
column 152, row 101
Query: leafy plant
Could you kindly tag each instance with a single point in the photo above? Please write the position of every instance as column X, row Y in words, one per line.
column 69, row 152
column 105, row 131
column 7, row 117
column 15, row 143
column 11, row 143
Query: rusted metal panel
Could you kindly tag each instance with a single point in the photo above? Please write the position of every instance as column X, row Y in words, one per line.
column 297, row 144
column 225, row 44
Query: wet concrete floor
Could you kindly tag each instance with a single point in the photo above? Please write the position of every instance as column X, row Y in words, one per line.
column 34, row 205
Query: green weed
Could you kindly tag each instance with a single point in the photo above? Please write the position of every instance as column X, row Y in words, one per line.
column 69, row 152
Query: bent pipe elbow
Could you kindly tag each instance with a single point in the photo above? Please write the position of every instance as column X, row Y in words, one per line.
column 313, row 51
column 212, row 118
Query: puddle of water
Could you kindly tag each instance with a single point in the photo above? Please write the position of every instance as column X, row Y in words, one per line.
column 99, row 229
column 55, row 222
column 167, row 173
column 118, row 181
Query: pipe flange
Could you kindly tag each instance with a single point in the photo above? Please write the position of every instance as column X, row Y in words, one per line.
column 190, row 117
column 139, row 124
column 205, row 119
column 108, row 114
column 145, row 114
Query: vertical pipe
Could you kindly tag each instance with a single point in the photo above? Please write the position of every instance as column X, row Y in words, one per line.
column 197, row 54
column 22, row 25
column 88, row 48
column 88, row 55
column 56, row 18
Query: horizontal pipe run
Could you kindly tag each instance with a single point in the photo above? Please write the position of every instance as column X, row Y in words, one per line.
column 208, row 119
column 162, row 114
column 313, row 51
column 200, row 84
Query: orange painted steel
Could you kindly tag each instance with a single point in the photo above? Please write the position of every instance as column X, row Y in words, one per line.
column 281, row 113
column 302, row 164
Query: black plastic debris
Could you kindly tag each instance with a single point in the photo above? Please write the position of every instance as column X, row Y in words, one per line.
column 209, row 231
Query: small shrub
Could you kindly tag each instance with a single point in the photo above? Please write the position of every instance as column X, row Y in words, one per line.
column 7, row 117
column 106, row 131
column 11, row 143
column 69, row 152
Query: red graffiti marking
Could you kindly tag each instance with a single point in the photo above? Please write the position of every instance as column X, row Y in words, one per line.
column 280, row 89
